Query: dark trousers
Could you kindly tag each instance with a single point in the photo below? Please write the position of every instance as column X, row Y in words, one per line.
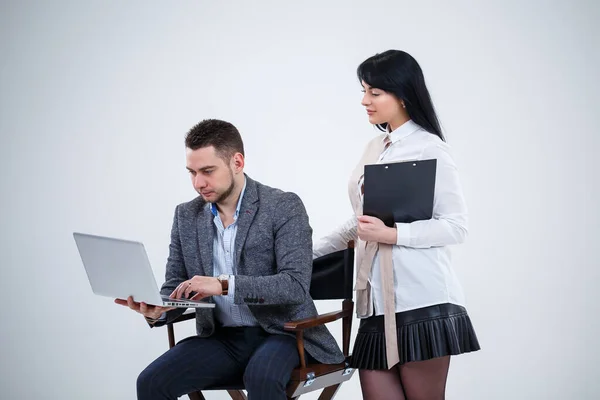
column 262, row 362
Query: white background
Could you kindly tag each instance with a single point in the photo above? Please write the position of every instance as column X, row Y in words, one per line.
column 95, row 99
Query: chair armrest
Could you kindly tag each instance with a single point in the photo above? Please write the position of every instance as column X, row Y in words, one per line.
column 322, row 319
column 183, row 317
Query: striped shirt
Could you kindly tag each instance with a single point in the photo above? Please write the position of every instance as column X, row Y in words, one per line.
column 226, row 311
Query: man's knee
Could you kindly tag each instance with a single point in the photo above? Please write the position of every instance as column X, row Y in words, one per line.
column 258, row 379
column 148, row 384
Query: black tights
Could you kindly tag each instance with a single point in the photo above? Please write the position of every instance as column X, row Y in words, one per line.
column 419, row 380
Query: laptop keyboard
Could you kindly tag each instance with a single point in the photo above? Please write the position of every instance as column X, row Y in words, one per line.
column 167, row 298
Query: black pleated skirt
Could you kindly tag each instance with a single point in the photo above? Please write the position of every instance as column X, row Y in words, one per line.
column 423, row 334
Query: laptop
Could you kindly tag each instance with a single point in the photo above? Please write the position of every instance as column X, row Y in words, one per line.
column 120, row 268
column 400, row 191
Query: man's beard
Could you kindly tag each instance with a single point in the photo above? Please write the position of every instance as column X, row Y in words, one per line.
column 223, row 196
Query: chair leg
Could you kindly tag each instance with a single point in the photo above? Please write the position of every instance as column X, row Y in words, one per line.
column 329, row 392
column 196, row 396
column 237, row 395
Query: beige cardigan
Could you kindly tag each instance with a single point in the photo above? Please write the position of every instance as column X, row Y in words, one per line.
column 365, row 253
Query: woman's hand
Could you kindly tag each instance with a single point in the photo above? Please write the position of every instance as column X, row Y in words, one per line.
column 371, row 229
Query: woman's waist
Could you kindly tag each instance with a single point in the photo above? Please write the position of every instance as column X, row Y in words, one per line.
column 431, row 260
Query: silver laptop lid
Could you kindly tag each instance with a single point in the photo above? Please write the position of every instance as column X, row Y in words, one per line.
column 118, row 268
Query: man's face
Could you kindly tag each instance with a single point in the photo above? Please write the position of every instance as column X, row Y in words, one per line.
column 211, row 176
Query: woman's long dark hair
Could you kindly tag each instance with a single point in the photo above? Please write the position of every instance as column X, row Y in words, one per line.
column 398, row 73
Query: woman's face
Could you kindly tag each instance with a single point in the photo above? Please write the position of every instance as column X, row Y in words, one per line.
column 382, row 107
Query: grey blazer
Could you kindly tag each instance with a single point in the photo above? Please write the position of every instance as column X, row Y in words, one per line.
column 273, row 248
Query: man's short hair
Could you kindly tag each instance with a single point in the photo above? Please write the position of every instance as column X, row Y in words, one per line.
column 222, row 135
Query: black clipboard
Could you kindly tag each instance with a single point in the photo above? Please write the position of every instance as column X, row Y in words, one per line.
column 401, row 191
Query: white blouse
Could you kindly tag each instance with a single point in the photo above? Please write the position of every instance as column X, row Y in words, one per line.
column 423, row 273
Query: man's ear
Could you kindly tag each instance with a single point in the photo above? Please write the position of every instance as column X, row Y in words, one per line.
column 237, row 162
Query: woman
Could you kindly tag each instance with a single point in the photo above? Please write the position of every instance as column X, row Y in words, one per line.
column 408, row 298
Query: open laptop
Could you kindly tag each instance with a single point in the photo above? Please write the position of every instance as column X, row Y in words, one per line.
column 120, row 268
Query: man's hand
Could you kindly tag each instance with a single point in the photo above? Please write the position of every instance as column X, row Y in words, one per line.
column 151, row 312
column 371, row 229
column 203, row 286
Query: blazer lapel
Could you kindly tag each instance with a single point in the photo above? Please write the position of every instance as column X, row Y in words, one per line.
column 248, row 210
column 205, row 232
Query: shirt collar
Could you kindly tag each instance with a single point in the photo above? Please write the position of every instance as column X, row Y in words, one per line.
column 402, row 131
column 215, row 211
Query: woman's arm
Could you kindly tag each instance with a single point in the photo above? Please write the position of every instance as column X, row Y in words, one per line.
column 337, row 240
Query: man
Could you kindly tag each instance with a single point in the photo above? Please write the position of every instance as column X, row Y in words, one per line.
column 249, row 248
